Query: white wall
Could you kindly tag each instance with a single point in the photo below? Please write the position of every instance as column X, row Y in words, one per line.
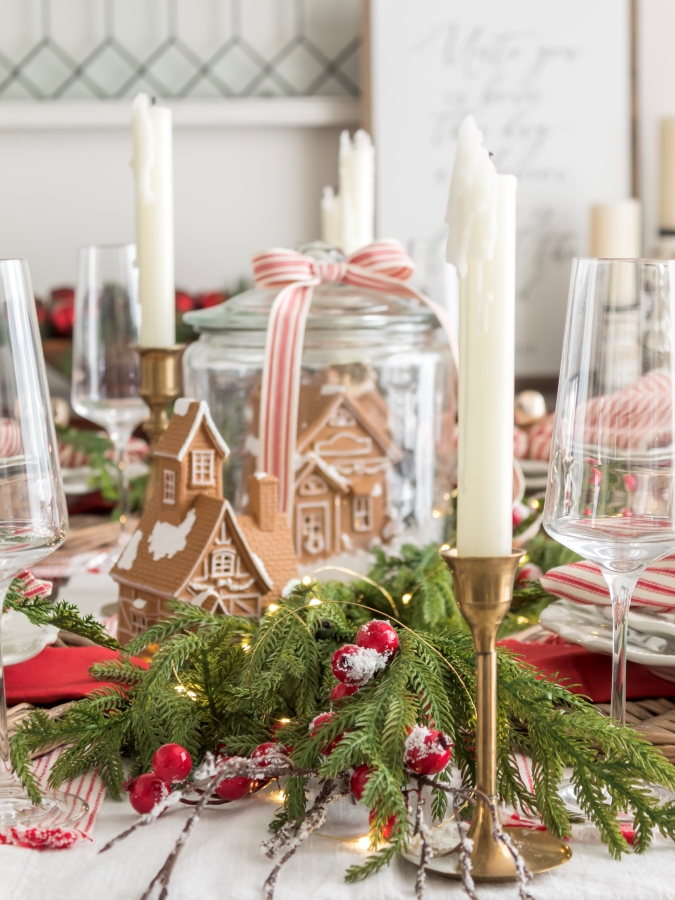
column 237, row 190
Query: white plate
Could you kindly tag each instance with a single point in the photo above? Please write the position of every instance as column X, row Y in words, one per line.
column 21, row 640
column 591, row 627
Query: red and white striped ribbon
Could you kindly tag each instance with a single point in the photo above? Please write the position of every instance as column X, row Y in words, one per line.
column 382, row 266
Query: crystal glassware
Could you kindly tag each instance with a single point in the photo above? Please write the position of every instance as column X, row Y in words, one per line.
column 106, row 367
column 33, row 517
column 610, row 483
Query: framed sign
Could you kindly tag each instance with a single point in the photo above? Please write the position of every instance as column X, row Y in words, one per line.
column 549, row 86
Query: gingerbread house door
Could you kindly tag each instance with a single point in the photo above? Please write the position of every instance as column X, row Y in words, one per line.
column 312, row 528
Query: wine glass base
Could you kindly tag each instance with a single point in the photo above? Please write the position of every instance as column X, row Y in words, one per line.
column 55, row 810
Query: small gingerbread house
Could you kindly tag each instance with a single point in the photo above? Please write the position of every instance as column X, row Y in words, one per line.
column 189, row 545
column 342, row 481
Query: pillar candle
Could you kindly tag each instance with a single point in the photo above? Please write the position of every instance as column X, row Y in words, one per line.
column 348, row 218
column 152, row 165
column 482, row 246
column 616, row 230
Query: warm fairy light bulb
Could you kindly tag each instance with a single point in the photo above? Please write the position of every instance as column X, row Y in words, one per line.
column 444, row 547
column 525, row 558
column 406, row 598
column 245, row 647
column 273, row 607
column 436, row 513
column 179, row 689
column 284, row 721
column 363, row 843
column 534, row 503
column 306, row 580
column 522, row 620
column 315, row 601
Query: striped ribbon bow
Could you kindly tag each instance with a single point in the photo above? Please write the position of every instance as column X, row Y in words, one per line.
column 381, row 266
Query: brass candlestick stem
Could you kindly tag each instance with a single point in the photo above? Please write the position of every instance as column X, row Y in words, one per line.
column 160, row 386
column 484, row 588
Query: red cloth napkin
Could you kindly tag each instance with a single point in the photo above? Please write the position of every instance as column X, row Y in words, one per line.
column 589, row 673
column 56, row 675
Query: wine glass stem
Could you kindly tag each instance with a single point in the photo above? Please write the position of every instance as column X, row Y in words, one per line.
column 120, row 442
column 620, row 592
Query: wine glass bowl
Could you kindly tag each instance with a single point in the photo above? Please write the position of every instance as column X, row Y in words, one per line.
column 611, row 478
column 106, row 365
column 33, row 516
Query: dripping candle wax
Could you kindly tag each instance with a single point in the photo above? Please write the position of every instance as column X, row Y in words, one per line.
column 482, row 246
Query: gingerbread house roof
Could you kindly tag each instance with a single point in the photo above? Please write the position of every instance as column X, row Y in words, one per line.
column 275, row 547
column 161, row 557
column 318, row 405
column 187, row 416
column 330, row 473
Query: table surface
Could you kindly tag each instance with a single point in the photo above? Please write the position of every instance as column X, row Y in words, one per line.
column 223, row 860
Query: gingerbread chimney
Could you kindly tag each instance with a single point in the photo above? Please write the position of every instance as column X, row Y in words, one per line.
column 263, row 500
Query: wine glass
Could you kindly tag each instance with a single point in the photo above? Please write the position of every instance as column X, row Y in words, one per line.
column 33, row 517
column 106, row 367
column 610, row 484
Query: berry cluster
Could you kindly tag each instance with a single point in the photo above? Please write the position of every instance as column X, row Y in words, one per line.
column 171, row 765
column 355, row 664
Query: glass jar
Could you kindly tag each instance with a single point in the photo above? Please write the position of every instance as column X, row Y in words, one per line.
column 375, row 453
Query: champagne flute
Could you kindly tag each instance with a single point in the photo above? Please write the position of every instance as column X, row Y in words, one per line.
column 610, row 482
column 106, row 367
column 33, row 517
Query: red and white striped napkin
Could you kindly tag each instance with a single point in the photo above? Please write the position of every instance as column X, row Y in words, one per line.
column 583, row 582
column 88, row 787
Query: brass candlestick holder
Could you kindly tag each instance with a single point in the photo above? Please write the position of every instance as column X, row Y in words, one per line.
column 484, row 588
column 160, row 386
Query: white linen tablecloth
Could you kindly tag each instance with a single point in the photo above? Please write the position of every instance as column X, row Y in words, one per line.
column 223, row 860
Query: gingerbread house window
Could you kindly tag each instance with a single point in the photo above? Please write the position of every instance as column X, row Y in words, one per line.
column 222, row 563
column 138, row 623
column 363, row 514
column 202, row 467
column 313, row 486
column 169, row 487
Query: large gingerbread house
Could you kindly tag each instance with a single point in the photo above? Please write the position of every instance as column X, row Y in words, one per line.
column 189, row 545
column 345, row 457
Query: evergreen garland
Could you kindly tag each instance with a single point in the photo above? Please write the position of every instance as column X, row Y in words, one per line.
column 225, row 682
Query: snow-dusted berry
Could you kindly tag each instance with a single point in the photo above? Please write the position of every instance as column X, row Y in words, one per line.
column 146, row 792
column 340, row 691
column 427, row 752
column 233, row 788
column 356, row 665
column 378, row 635
column 315, row 727
column 262, row 753
column 357, row 782
column 171, row 763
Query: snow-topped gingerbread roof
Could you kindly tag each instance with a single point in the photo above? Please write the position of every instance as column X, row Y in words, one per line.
column 315, row 463
column 187, row 417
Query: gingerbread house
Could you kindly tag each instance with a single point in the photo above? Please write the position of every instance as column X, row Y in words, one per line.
column 344, row 458
column 189, row 545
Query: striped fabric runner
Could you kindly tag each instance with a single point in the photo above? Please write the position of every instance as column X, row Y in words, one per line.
column 583, row 582
column 382, row 266
column 88, row 787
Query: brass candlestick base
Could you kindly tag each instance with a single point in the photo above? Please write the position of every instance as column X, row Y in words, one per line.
column 160, row 386
column 484, row 588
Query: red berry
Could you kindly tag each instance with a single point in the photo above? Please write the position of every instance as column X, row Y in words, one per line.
column 233, row 788
column 630, row 482
column 378, row 635
column 427, row 752
column 358, row 781
column 62, row 317
column 172, row 763
column 529, row 572
column 184, row 302
column 340, row 691
column 386, row 831
column 355, row 665
column 315, row 727
column 146, row 792
column 269, row 748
